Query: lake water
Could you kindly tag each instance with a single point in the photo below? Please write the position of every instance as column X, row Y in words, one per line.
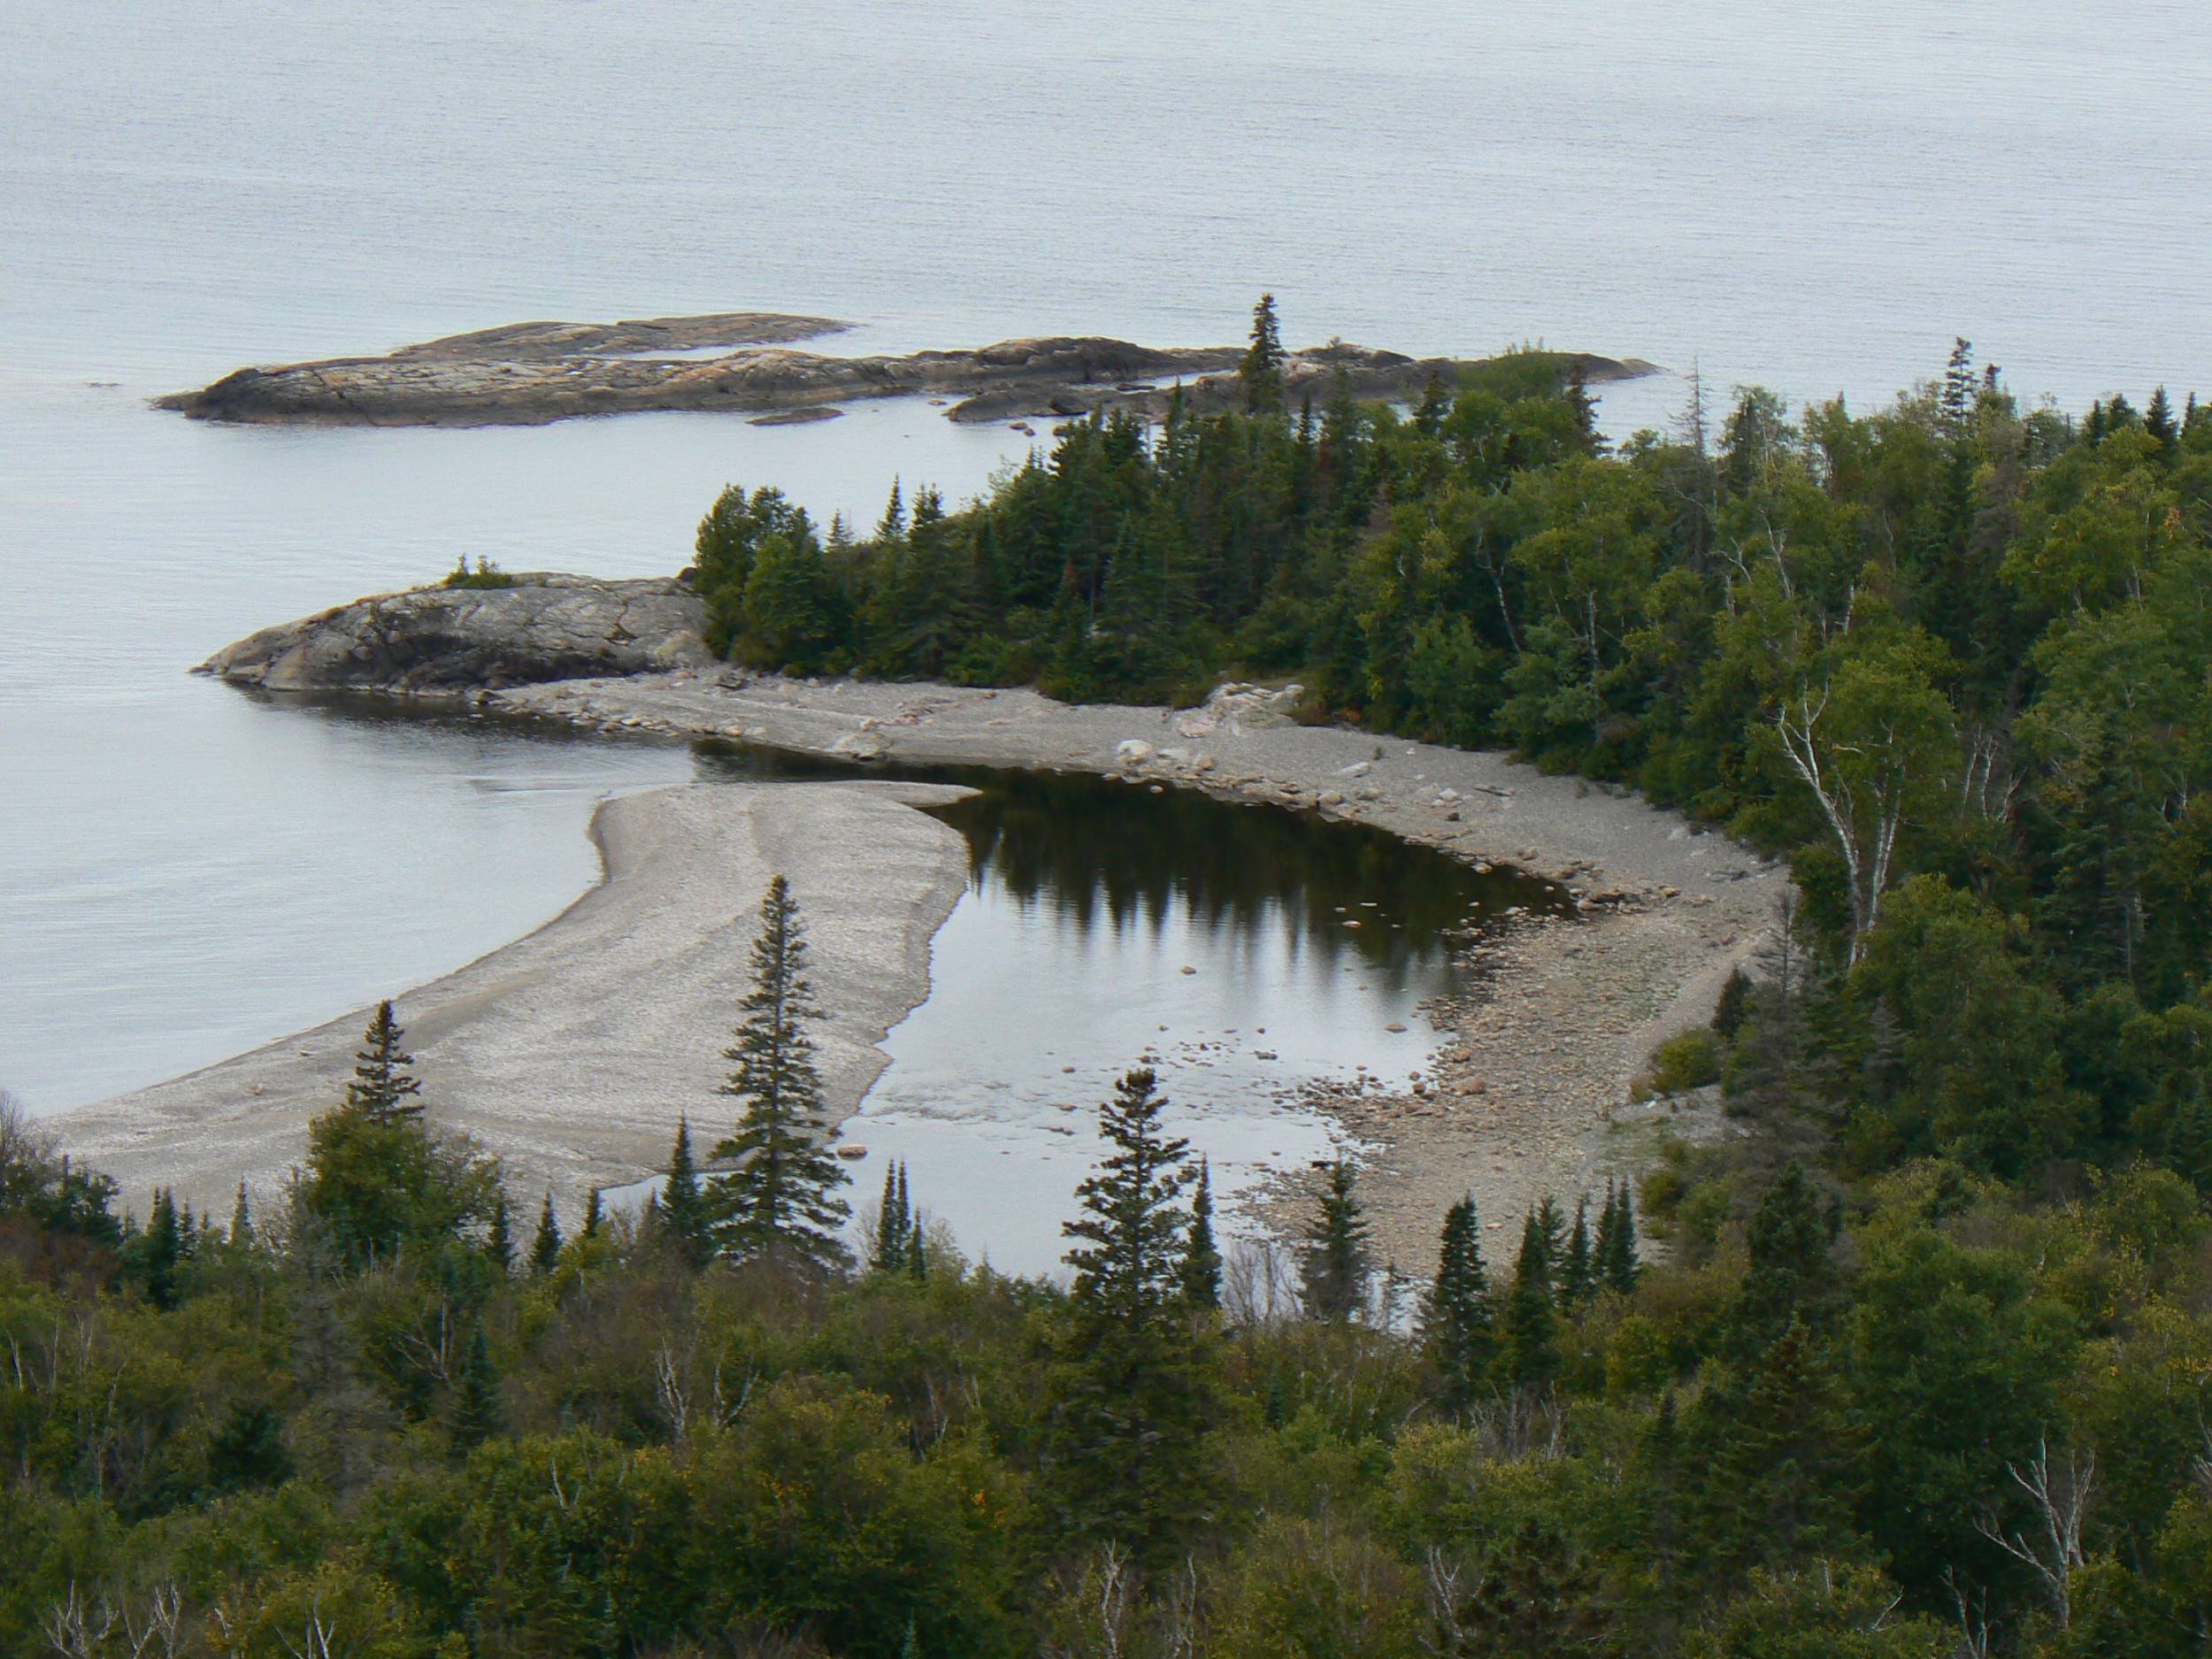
column 1818, row 198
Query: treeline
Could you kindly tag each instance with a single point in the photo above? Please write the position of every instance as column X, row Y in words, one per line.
column 1949, row 655
column 1929, row 1417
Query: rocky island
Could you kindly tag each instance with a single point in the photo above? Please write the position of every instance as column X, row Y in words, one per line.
column 745, row 363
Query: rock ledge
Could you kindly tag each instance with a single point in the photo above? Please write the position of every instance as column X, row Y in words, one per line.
column 458, row 639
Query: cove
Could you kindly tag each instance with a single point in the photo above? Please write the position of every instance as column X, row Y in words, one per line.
column 1238, row 950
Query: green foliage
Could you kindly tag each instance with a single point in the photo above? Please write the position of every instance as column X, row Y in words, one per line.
column 1129, row 1389
column 486, row 575
column 1687, row 1060
column 779, row 1203
column 1333, row 1271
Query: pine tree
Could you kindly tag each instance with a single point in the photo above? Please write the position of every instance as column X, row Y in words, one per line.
column 242, row 1218
column 892, row 526
column 499, row 1240
column 1601, row 1246
column 894, row 1219
column 683, row 1207
column 545, row 1250
column 1526, row 1356
column 917, row 1249
column 1261, row 370
column 1787, row 1274
column 1130, row 1388
column 780, row 1202
column 1334, row 1268
column 2158, row 421
column 592, row 1214
column 161, row 1251
column 1457, row 1323
column 477, row 1414
column 1618, row 1261
column 382, row 1087
column 1201, row 1272
column 1578, row 1271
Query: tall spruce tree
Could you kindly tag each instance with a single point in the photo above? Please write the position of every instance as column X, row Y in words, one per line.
column 161, row 1250
column 1261, row 371
column 780, row 1203
column 1617, row 1260
column 545, row 1249
column 382, row 1088
column 1457, row 1322
column 477, row 1414
column 592, row 1214
column 683, row 1207
column 1334, row 1268
column 499, row 1239
column 1526, row 1355
column 895, row 1221
column 1130, row 1393
column 1578, row 1275
column 1201, row 1272
column 1788, row 1275
column 241, row 1218
column 917, row 1248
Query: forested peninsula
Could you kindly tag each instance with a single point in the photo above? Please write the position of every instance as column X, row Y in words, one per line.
column 1914, row 1363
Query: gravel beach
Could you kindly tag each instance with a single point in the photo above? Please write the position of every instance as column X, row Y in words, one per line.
column 571, row 1052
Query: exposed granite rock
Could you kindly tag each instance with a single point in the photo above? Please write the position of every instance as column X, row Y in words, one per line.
column 536, row 372
column 459, row 639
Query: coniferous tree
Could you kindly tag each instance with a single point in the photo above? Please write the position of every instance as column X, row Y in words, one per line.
column 890, row 1241
column 1578, row 1271
column 241, row 1218
column 1261, row 371
column 683, row 1207
column 161, row 1251
column 499, row 1239
column 1130, row 1393
column 592, row 1214
column 1787, row 1274
column 545, row 1250
column 1334, row 1268
column 381, row 1089
column 1457, row 1322
column 917, row 1249
column 1526, row 1356
column 892, row 526
column 477, row 1415
column 1617, row 1262
column 1201, row 1271
column 1602, row 1245
column 1551, row 1224
column 780, row 1202
column 2158, row 421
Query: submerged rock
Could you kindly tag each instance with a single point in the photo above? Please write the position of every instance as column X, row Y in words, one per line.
column 540, row 627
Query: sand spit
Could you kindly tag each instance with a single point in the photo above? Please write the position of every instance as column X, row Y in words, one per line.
column 1526, row 1094
column 571, row 1052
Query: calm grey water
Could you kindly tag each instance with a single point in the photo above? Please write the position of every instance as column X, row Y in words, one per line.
column 1814, row 197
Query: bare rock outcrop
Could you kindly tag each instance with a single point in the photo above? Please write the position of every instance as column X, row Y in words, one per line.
column 535, row 372
column 433, row 640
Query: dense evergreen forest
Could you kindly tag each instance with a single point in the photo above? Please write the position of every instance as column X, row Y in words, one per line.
column 1920, row 1365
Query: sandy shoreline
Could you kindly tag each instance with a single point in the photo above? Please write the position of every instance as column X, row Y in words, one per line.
column 571, row 1052
column 1527, row 1097
column 623, row 1001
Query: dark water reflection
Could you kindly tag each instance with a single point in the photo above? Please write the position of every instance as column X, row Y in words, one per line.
column 1236, row 949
